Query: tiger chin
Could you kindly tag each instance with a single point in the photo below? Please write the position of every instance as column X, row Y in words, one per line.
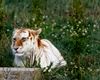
column 28, row 48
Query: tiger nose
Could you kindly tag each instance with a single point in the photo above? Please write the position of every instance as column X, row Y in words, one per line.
column 16, row 49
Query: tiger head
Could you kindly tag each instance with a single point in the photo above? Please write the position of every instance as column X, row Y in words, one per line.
column 24, row 41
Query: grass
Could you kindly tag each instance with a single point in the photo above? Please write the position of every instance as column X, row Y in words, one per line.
column 76, row 38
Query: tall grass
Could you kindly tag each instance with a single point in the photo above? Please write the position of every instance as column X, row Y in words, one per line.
column 71, row 25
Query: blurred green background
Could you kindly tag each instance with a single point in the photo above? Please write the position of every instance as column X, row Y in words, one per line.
column 73, row 26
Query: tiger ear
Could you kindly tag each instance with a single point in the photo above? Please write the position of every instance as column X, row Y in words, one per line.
column 38, row 31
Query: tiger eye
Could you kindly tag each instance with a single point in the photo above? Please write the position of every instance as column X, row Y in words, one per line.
column 24, row 39
column 14, row 39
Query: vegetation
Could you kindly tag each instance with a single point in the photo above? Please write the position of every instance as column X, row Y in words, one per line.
column 73, row 26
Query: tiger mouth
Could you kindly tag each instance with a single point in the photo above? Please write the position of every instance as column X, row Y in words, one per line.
column 19, row 54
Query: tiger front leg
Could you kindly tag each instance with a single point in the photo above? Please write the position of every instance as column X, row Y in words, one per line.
column 18, row 62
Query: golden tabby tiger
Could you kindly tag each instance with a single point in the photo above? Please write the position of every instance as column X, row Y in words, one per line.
column 26, row 44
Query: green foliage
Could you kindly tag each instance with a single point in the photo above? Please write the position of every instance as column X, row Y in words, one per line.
column 70, row 27
column 6, row 57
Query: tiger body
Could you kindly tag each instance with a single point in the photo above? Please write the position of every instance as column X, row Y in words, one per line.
column 26, row 44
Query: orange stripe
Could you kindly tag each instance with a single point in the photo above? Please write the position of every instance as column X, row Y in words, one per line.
column 18, row 43
column 40, row 44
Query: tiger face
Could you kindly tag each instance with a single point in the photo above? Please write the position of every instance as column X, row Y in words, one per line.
column 24, row 41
